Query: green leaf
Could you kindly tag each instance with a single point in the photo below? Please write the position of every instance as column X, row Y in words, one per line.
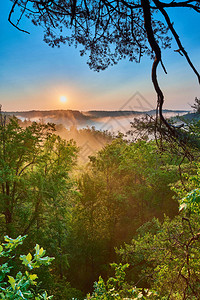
column 29, row 257
column 12, row 282
column 41, row 251
column 37, row 249
column 33, row 277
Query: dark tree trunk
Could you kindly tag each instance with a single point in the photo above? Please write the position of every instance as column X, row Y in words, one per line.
column 156, row 49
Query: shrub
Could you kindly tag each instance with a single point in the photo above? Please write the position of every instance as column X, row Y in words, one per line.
column 22, row 285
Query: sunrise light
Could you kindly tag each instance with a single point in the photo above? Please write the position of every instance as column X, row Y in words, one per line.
column 63, row 99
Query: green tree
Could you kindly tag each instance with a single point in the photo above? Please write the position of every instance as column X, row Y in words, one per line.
column 188, row 190
column 19, row 151
column 116, row 288
column 164, row 256
column 36, row 190
column 124, row 186
column 168, row 258
column 34, row 166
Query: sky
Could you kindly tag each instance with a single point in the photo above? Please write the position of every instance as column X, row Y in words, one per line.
column 33, row 76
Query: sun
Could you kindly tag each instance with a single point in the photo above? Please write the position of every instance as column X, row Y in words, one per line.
column 63, row 99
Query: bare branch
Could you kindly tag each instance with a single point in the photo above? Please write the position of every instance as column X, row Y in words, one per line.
column 171, row 27
column 10, row 15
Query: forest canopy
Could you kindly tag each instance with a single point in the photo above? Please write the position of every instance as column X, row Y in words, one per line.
column 110, row 209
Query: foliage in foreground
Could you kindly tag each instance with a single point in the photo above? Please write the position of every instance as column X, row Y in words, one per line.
column 116, row 288
column 22, row 285
column 165, row 255
column 168, row 261
column 188, row 191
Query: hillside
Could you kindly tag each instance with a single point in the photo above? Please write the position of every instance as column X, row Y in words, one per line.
column 191, row 117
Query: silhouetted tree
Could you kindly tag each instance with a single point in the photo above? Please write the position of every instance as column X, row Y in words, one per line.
column 196, row 105
column 110, row 30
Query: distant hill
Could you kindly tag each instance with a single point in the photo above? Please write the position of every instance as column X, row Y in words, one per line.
column 101, row 119
column 191, row 117
column 124, row 113
column 50, row 113
column 112, row 114
column 66, row 117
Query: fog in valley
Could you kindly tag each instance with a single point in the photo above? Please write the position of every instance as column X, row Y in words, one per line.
column 91, row 130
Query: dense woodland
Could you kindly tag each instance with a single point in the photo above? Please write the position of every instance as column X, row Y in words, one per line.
column 132, row 207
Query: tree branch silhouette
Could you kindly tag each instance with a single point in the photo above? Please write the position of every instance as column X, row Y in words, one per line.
column 109, row 31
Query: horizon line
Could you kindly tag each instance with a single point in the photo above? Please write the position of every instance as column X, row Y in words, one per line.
column 91, row 110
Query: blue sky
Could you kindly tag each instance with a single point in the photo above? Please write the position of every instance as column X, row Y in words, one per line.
column 34, row 76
